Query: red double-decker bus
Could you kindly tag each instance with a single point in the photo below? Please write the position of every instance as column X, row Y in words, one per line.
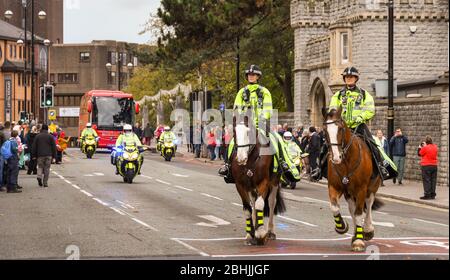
column 108, row 111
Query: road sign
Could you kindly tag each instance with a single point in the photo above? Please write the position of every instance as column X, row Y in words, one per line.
column 52, row 114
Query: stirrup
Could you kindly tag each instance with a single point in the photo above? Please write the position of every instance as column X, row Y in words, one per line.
column 224, row 170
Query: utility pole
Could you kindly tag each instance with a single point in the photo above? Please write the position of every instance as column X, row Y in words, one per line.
column 390, row 112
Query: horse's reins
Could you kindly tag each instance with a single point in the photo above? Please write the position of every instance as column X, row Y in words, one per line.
column 345, row 179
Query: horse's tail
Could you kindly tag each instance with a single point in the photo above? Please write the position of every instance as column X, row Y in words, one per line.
column 377, row 204
column 280, row 206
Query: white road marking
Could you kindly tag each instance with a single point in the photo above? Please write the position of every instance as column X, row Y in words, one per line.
column 99, row 174
column 382, row 213
column 117, row 210
column 89, row 175
column 190, row 247
column 180, row 175
column 86, row 193
column 144, row 224
column 430, row 222
column 215, row 221
column 61, row 177
column 297, row 221
column 148, row 177
column 317, row 200
column 208, row 195
column 123, row 204
column 101, row 202
column 383, row 224
column 68, row 182
column 237, row 204
column 76, row 187
column 163, row 182
column 183, row 188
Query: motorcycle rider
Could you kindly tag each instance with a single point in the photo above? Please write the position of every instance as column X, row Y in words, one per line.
column 128, row 138
column 87, row 131
column 166, row 136
column 293, row 149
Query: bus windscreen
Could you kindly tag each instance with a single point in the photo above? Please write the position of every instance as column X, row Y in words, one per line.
column 112, row 113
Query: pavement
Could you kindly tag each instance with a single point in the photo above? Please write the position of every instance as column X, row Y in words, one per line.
column 410, row 191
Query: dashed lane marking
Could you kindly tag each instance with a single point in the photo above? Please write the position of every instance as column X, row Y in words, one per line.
column 163, row 182
column 86, row 193
column 144, row 224
column 76, row 187
column 383, row 224
column 101, row 202
column 183, row 188
column 180, row 175
column 237, row 204
column 117, row 211
column 208, row 195
column 148, row 177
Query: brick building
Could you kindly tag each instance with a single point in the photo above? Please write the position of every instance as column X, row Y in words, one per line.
column 78, row 68
column 333, row 34
column 51, row 28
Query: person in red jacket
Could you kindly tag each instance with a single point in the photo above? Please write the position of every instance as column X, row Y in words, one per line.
column 428, row 153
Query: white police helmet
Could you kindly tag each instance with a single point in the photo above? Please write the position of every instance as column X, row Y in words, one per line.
column 127, row 128
column 88, row 125
column 287, row 136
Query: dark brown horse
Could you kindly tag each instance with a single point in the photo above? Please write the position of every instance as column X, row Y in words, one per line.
column 256, row 184
column 350, row 173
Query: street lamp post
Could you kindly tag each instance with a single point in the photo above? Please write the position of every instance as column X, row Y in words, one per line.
column 130, row 67
column 42, row 15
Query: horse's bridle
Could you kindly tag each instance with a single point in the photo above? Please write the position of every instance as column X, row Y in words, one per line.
column 345, row 147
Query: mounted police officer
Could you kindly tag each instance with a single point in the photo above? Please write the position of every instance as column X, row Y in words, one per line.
column 358, row 107
column 259, row 100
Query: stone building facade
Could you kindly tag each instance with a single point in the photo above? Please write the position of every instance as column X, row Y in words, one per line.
column 331, row 35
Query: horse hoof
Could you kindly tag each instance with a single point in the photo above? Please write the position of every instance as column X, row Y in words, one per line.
column 342, row 230
column 369, row 235
column 261, row 241
column 358, row 245
column 271, row 235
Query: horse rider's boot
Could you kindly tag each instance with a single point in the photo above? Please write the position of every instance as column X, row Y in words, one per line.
column 381, row 163
column 224, row 170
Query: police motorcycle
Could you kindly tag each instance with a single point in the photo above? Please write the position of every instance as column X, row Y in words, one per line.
column 168, row 150
column 90, row 145
column 128, row 161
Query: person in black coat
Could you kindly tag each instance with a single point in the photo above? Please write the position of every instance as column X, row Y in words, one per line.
column 44, row 151
column 29, row 139
column 313, row 149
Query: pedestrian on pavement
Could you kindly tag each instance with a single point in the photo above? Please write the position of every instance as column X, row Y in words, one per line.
column 44, row 151
column 2, row 140
column 29, row 139
column 227, row 138
column 313, row 151
column 211, row 142
column 428, row 153
column 218, row 137
column 397, row 145
column 7, row 130
column 10, row 152
column 148, row 134
column 138, row 131
column 198, row 141
column 382, row 141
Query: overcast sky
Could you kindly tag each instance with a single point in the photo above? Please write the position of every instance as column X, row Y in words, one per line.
column 87, row 20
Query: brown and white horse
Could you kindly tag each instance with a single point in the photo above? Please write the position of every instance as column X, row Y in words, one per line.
column 256, row 184
column 350, row 172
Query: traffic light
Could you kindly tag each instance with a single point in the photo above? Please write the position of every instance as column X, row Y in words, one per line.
column 48, row 95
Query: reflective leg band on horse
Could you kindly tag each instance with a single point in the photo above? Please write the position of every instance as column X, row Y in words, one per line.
column 359, row 233
column 259, row 218
column 249, row 226
column 339, row 222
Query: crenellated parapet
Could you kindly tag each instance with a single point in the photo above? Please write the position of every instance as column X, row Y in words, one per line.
column 327, row 12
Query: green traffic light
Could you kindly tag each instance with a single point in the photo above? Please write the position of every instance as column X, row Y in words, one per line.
column 49, row 102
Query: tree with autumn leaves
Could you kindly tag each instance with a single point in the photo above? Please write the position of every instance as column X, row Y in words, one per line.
column 197, row 42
